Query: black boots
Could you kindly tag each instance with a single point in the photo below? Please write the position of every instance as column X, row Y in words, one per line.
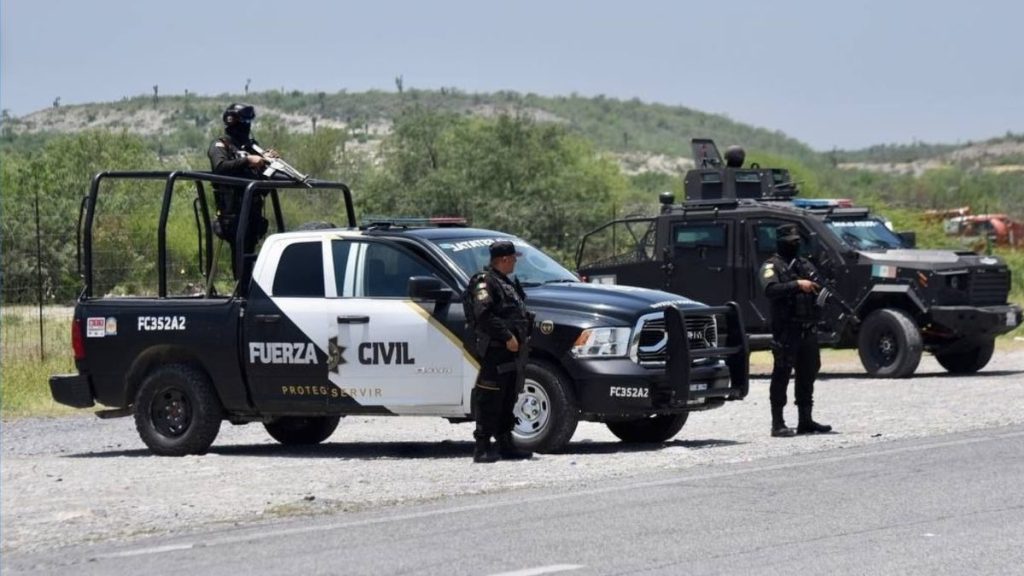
column 508, row 451
column 779, row 428
column 483, row 452
column 807, row 425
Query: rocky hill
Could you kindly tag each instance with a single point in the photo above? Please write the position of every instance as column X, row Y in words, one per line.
column 642, row 137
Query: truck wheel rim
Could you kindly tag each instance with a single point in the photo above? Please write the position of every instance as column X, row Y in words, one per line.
column 887, row 348
column 532, row 411
column 171, row 412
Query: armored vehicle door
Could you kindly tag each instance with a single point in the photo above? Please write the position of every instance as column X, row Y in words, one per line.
column 701, row 259
column 760, row 245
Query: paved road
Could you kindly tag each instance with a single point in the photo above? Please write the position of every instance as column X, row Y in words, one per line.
column 943, row 505
column 73, row 482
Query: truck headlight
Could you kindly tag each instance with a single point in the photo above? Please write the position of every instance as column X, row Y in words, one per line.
column 601, row 343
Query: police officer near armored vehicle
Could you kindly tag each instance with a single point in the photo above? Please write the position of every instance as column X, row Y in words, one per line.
column 233, row 154
column 501, row 325
column 794, row 316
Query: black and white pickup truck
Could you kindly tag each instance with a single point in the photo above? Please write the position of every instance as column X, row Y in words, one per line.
column 368, row 320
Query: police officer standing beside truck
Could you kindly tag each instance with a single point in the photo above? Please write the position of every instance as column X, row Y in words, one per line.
column 236, row 154
column 794, row 317
column 500, row 323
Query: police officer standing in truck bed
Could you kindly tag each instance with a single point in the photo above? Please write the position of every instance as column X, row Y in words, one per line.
column 794, row 317
column 233, row 155
column 500, row 323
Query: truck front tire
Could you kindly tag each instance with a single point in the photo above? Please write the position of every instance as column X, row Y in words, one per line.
column 302, row 430
column 177, row 411
column 650, row 430
column 968, row 361
column 889, row 344
column 545, row 412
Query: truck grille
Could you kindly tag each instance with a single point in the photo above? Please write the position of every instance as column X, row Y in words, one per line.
column 651, row 347
column 989, row 287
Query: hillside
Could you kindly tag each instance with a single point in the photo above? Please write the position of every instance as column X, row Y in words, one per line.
column 622, row 127
column 642, row 137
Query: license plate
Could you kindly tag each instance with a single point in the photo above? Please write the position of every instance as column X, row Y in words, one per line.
column 1011, row 320
column 698, row 387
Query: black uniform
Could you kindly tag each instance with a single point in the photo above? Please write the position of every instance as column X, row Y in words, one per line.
column 794, row 331
column 228, row 158
column 500, row 313
column 794, row 317
column 498, row 305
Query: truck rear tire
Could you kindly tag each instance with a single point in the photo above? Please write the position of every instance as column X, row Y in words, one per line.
column 177, row 411
column 889, row 344
column 968, row 361
column 302, row 430
column 651, row 430
column 545, row 412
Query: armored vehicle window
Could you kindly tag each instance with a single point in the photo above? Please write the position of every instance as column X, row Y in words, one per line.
column 865, row 234
column 300, row 271
column 764, row 240
column 621, row 242
column 711, row 236
column 386, row 271
column 710, row 185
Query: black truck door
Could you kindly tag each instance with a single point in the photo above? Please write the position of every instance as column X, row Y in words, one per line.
column 702, row 265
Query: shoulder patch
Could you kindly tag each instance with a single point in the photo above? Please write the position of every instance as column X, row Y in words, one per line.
column 219, row 144
column 769, row 271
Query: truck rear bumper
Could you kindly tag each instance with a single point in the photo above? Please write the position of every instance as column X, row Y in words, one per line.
column 975, row 322
column 73, row 390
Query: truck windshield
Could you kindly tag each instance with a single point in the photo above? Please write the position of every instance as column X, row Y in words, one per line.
column 865, row 234
column 533, row 267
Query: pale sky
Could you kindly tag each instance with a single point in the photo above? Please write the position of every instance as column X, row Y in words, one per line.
column 831, row 73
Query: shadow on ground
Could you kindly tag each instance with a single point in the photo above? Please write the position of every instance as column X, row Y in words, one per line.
column 405, row 450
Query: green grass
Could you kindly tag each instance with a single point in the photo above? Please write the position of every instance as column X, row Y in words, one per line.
column 24, row 375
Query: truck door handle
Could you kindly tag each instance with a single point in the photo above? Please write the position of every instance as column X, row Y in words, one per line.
column 268, row 318
column 353, row 319
column 715, row 268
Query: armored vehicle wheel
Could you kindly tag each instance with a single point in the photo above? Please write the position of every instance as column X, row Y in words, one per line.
column 177, row 411
column 302, row 430
column 649, row 430
column 889, row 344
column 968, row 361
column 545, row 412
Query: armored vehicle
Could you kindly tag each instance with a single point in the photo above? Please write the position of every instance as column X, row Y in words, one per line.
column 333, row 321
column 904, row 301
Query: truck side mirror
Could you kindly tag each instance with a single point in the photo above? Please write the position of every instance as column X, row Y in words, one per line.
column 429, row 288
column 909, row 239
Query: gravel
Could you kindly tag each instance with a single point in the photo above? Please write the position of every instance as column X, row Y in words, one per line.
column 78, row 479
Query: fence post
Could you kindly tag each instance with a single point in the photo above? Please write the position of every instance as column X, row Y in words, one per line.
column 39, row 278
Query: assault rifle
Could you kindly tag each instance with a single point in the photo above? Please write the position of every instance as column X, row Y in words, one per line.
column 825, row 293
column 522, row 332
column 523, row 356
column 276, row 164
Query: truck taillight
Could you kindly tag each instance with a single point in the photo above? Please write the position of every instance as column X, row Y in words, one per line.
column 76, row 340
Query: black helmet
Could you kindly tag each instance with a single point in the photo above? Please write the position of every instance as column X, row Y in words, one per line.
column 242, row 112
column 734, row 157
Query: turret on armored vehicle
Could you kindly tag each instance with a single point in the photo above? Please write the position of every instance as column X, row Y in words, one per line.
column 710, row 247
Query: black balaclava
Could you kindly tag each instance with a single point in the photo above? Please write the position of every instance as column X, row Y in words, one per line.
column 788, row 249
column 239, row 131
